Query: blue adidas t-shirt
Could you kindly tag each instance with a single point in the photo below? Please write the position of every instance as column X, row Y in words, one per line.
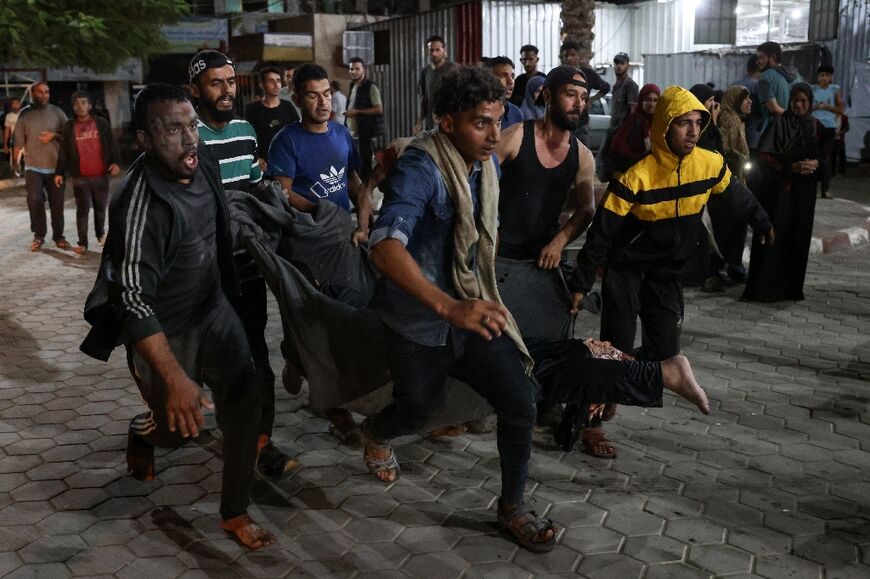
column 318, row 163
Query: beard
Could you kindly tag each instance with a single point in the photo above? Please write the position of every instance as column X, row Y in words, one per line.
column 562, row 120
column 219, row 115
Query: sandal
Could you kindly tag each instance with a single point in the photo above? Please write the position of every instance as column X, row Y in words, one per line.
column 378, row 465
column 36, row 244
column 595, row 443
column 527, row 532
column 62, row 244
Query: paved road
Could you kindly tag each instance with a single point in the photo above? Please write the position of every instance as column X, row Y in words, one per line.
column 774, row 483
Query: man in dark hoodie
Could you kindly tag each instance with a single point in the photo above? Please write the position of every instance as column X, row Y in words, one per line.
column 774, row 86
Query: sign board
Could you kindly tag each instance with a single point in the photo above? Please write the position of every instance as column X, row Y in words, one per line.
column 129, row 70
column 194, row 33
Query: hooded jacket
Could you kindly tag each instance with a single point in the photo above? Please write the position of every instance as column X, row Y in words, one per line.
column 144, row 238
column 650, row 216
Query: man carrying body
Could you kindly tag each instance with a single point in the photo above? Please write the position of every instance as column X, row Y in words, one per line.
column 365, row 113
column 529, row 59
column 645, row 228
column 314, row 160
column 542, row 162
column 38, row 132
column 569, row 54
column 434, row 242
column 163, row 288
column 429, row 77
column 232, row 143
column 774, row 86
column 270, row 114
column 89, row 154
column 502, row 68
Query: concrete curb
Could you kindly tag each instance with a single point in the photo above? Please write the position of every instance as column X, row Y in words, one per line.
column 842, row 240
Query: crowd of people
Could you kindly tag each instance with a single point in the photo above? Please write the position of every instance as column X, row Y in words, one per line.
column 464, row 264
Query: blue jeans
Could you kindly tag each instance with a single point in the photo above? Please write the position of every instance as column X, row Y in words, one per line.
column 493, row 369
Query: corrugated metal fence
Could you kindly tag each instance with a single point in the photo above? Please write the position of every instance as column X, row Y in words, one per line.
column 472, row 30
column 721, row 67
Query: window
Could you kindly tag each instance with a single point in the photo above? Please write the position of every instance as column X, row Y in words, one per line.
column 777, row 20
column 359, row 43
column 715, row 21
column 824, row 20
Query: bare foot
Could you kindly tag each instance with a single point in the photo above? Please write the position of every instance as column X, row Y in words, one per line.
column 678, row 377
column 248, row 533
column 450, row 430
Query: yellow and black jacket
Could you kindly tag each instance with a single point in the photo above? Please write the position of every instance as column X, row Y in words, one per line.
column 650, row 216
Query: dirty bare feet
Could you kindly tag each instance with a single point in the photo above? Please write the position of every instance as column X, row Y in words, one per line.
column 248, row 533
column 678, row 377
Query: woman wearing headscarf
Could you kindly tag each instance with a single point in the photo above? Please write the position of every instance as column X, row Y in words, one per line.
column 789, row 151
column 736, row 106
column 710, row 139
column 728, row 229
column 631, row 140
column 532, row 111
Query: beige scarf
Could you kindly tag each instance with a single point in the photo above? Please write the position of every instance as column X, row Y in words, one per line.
column 479, row 283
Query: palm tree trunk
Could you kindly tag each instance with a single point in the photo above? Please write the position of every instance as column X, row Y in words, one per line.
column 578, row 18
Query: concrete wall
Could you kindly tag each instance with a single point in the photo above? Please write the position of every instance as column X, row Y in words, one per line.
column 327, row 31
column 117, row 95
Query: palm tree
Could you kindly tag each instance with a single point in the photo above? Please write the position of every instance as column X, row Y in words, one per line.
column 578, row 18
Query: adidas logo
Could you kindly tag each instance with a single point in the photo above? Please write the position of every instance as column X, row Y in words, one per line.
column 334, row 177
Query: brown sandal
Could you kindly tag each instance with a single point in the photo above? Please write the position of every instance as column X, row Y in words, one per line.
column 595, row 443
column 527, row 533
column 36, row 244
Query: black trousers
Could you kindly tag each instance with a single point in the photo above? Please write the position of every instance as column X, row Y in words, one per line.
column 627, row 295
column 40, row 187
column 494, row 369
column 91, row 191
column 251, row 308
column 568, row 372
column 215, row 353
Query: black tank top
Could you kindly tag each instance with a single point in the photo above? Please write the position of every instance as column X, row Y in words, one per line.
column 531, row 198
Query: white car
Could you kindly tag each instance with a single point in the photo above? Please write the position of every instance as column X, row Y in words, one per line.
column 599, row 122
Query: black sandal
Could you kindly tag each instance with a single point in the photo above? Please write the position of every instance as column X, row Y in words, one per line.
column 528, row 532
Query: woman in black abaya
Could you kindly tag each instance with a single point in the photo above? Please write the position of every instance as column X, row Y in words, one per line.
column 789, row 153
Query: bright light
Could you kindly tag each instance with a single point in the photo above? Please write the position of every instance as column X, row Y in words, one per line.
column 796, row 13
column 737, row 11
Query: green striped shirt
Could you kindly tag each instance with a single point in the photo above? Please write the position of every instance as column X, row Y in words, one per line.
column 234, row 146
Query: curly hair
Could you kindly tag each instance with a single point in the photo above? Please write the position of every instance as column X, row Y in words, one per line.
column 464, row 88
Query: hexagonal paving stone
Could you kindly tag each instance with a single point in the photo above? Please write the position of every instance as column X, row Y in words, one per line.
column 654, row 549
column 52, row 570
column 776, row 566
column 720, row 559
column 370, row 505
column 609, row 565
column 8, row 563
column 496, row 571
column 53, row 549
column 588, row 540
column 123, row 508
column 634, row 523
column 485, row 549
column 79, row 499
column 100, row 560
column 38, row 490
column 321, row 547
column 829, row 551
column 177, row 494
column 675, row 571
column 759, row 540
column 13, row 538
column 317, row 521
column 732, row 514
column 25, row 513
column 373, row 530
column 435, row 566
column 73, row 522
column 428, row 539
column 421, row 514
column 53, row 471
column 579, row 514
column 167, row 567
column 695, row 531
column 376, row 558
column 794, row 523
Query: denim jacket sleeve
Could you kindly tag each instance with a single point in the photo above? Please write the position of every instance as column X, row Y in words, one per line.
column 408, row 192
